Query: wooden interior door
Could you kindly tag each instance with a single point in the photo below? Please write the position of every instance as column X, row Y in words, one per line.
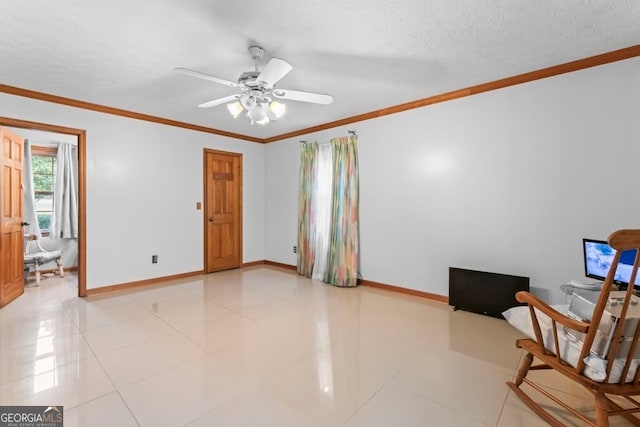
column 222, row 210
column 11, row 234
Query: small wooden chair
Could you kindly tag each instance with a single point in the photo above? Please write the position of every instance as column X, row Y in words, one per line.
column 625, row 388
column 35, row 259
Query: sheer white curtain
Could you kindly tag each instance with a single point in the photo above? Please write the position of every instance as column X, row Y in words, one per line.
column 321, row 202
column 29, row 212
column 65, row 197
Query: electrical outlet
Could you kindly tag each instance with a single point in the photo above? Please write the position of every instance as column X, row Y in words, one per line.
column 295, row 249
column 154, row 259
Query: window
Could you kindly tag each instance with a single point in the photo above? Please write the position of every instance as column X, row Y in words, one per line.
column 44, row 167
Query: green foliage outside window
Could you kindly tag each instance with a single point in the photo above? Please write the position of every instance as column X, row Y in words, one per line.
column 44, row 221
column 43, row 173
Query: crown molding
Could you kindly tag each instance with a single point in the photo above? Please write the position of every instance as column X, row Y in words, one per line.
column 580, row 64
column 27, row 93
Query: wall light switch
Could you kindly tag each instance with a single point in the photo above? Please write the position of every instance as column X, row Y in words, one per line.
column 198, row 205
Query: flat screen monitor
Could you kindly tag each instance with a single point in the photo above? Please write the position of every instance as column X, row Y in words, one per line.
column 598, row 256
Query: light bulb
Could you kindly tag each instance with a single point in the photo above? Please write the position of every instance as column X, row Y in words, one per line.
column 258, row 115
column 278, row 108
column 235, row 108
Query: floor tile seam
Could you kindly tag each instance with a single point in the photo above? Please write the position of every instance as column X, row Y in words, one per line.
column 389, row 379
column 96, row 301
column 486, row 366
column 270, row 382
column 504, row 404
column 291, row 404
column 173, row 328
column 173, row 292
column 457, row 410
column 172, row 367
column 66, row 331
column 108, row 311
column 168, row 315
column 120, row 321
column 124, row 402
column 409, row 361
column 162, row 371
column 374, row 394
column 20, row 347
column 222, row 403
column 114, row 389
column 68, row 408
column 159, row 317
column 121, row 347
column 266, row 380
column 95, row 356
column 212, row 352
column 187, row 337
column 67, row 319
column 238, row 309
column 144, row 304
column 56, row 299
column 230, row 309
column 420, row 396
column 62, row 365
column 209, row 409
column 466, row 414
column 214, row 409
column 276, row 297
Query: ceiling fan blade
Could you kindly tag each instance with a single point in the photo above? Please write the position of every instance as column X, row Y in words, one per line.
column 199, row 75
column 219, row 101
column 275, row 69
column 295, row 95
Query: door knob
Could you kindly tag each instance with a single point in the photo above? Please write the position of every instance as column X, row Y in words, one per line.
column 24, row 224
column 211, row 219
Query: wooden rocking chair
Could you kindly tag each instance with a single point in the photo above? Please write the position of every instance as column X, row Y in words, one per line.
column 625, row 366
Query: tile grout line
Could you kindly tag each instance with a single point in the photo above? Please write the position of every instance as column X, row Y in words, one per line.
column 391, row 378
column 116, row 390
column 506, row 397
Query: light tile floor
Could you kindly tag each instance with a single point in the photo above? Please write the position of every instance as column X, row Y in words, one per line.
column 260, row 347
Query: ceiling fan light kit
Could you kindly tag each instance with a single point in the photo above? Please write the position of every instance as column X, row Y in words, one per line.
column 257, row 89
column 235, row 108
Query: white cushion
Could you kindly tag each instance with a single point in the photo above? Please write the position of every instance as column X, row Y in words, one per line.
column 520, row 318
column 42, row 257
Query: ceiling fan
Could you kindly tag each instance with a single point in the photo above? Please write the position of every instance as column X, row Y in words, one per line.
column 257, row 90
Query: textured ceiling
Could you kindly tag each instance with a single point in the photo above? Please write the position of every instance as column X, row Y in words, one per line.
column 369, row 54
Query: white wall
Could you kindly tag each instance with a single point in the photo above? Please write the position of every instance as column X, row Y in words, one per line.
column 507, row 181
column 143, row 182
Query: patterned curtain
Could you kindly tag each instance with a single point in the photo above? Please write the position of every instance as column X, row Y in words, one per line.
column 344, row 246
column 306, row 216
column 321, row 206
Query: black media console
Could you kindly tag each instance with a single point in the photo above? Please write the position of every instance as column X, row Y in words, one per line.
column 483, row 292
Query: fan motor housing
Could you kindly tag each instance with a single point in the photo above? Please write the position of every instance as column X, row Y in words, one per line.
column 249, row 79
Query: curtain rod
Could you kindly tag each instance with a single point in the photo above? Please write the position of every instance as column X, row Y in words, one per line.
column 351, row 132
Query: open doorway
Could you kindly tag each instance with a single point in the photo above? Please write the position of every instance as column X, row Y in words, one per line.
column 44, row 140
